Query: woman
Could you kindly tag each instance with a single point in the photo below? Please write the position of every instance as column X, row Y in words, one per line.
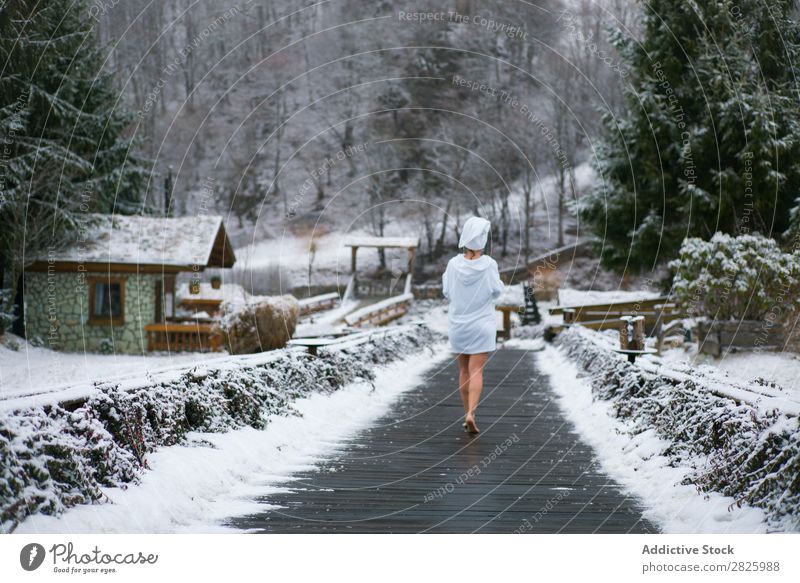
column 470, row 283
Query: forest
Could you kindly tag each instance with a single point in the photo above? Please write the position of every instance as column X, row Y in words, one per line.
column 622, row 124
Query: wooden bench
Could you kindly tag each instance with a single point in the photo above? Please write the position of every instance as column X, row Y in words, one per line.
column 656, row 311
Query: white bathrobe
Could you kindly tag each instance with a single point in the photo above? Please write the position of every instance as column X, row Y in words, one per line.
column 471, row 286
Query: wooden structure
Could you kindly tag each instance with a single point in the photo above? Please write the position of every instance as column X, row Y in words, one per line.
column 381, row 313
column 318, row 303
column 408, row 243
column 669, row 333
column 200, row 298
column 530, row 313
column 607, row 316
column 312, row 344
column 183, row 337
column 386, row 482
column 507, row 310
column 115, row 290
column 384, row 288
column 543, row 262
column 631, row 338
column 631, row 332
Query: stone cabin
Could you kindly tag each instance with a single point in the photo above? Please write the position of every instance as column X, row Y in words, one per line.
column 113, row 291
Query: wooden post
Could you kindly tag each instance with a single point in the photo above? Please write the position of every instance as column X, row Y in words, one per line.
column 631, row 333
column 623, row 332
column 658, row 329
column 637, row 333
column 411, row 254
column 353, row 251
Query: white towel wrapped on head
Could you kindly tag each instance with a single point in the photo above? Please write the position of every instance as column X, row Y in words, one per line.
column 475, row 234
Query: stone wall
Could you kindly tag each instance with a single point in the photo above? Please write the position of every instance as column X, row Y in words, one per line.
column 57, row 313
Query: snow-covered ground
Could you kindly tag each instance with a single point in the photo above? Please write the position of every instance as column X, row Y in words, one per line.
column 193, row 487
column 29, row 370
column 574, row 297
column 781, row 368
column 635, row 463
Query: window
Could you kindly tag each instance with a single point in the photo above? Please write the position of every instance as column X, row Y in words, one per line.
column 169, row 296
column 165, row 299
column 106, row 301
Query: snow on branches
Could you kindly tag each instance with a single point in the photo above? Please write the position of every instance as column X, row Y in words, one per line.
column 737, row 448
column 54, row 457
column 739, row 278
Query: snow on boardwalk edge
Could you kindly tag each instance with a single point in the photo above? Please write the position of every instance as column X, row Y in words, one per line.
column 52, row 458
column 733, row 448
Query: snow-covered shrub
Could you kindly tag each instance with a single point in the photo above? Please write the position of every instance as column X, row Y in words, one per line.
column 736, row 278
column 731, row 447
column 52, row 458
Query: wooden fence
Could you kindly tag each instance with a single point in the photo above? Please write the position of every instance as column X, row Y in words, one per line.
column 656, row 311
column 318, row 303
column 381, row 313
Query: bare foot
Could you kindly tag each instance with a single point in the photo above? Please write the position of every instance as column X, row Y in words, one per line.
column 470, row 425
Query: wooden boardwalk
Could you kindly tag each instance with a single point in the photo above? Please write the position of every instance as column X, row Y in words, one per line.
column 415, row 470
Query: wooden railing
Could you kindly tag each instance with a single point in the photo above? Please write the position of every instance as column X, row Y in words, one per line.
column 175, row 337
column 379, row 288
column 195, row 305
column 318, row 303
column 553, row 258
column 382, row 312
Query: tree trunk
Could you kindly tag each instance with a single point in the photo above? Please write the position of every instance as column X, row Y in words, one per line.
column 381, row 230
column 188, row 66
column 527, row 238
column 426, row 222
column 440, row 242
column 561, row 195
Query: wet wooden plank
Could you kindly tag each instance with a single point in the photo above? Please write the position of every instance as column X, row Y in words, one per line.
column 416, row 470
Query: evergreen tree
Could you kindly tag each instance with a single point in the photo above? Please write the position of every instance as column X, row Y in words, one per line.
column 65, row 150
column 710, row 140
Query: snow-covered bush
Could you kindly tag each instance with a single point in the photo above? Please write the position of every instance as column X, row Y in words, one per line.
column 52, row 458
column 731, row 447
column 736, row 278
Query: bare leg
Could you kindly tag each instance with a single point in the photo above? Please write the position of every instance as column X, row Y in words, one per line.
column 476, row 364
column 463, row 380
